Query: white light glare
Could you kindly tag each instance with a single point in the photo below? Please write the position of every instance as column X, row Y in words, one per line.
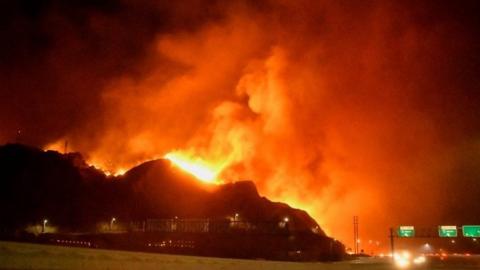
column 404, row 259
column 419, row 260
column 401, row 261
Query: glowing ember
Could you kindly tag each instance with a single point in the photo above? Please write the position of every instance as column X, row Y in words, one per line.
column 119, row 172
column 195, row 166
column 106, row 170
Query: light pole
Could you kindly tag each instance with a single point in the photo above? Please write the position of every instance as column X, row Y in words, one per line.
column 355, row 235
column 111, row 223
column 286, row 221
column 44, row 224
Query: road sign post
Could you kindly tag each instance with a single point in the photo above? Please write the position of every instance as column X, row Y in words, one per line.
column 447, row 231
column 406, row 231
column 471, row 230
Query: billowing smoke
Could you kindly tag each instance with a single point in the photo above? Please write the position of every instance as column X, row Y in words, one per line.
column 342, row 108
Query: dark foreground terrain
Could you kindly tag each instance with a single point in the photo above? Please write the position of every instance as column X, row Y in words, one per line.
column 34, row 256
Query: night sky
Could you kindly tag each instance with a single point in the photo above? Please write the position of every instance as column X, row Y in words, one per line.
column 343, row 108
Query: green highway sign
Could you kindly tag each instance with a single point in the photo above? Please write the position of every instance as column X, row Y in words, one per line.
column 406, row 231
column 471, row 230
column 447, row 231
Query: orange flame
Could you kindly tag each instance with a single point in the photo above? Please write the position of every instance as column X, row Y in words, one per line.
column 198, row 167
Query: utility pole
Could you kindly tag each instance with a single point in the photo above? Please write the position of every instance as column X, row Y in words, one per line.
column 65, row 149
column 355, row 234
column 392, row 246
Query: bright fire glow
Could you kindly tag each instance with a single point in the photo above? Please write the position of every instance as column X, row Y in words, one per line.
column 196, row 166
column 118, row 172
column 108, row 172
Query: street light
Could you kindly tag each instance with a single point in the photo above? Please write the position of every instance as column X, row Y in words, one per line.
column 427, row 248
column 44, row 225
column 111, row 223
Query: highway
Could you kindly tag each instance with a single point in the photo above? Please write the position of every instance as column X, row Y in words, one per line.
column 454, row 262
column 34, row 256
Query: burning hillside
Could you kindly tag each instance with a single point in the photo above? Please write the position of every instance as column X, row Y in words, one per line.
column 154, row 189
column 75, row 197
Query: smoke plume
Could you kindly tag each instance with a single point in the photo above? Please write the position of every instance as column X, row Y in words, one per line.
column 342, row 108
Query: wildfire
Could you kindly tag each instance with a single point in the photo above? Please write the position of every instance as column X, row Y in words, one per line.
column 118, row 172
column 201, row 169
column 107, row 171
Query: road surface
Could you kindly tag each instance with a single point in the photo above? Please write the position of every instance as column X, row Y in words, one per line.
column 33, row 256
